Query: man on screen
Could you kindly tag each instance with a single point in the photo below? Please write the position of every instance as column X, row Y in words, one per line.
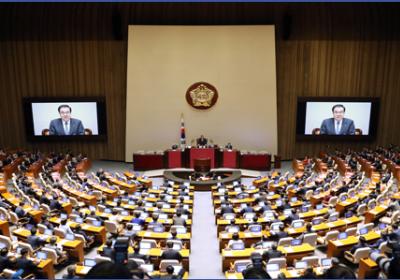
column 65, row 125
column 338, row 125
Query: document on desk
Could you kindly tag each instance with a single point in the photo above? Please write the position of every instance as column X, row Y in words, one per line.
column 103, row 215
column 289, row 250
column 58, row 221
column 86, row 226
column 373, row 212
column 85, row 269
column 256, row 233
column 232, row 276
column 293, row 273
column 247, row 234
column 19, row 230
column 291, row 230
column 337, row 243
column 147, row 233
column 70, row 223
column 228, row 253
column 383, row 206
column 347, row 221
column 62, row 242
column 224, row 235
column 330, row 225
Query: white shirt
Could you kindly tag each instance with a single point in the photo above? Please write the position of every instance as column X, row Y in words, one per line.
column 231, row 242
column 340, row 125
column 69, row 126
column 66, row 229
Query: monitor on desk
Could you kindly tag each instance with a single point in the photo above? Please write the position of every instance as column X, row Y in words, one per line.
column 170, row 189
column 287, row 212
column 137, row 227
column 229, row 216
column 256, row 195
column 96, row 223
column 249, row 216
column 326, row 262
column 278, row 202
column 65, row 200
column 326, row 189
column 261, row 203
column 144, row 215
column 295, row 187
column 293, row 199
column 107, row 210
column 137, row 193
column 90, row 262
column 125, row 213
column 41, row 255
column 240, row 268
column 271, row 267
column 169, row 197
column 255, row 228
column 316, row 193
column 70, row 237
column 271, row 193
column 349, row 215
column 158, row 229
column 372, row 206
column 221, row 190
column 353, row 194
column 19, row 250
column 145, row 245
column 267, row 244
column 333, row 218
column 259, row 178
column 363, row 231
column 234, row 229
column 298, row 225
column 186, row 206
column 92, row 208
column 177, row 247
column 48, row 232
column 240, row 196
column 2, row 217
column 115, row 200
column 149, row 204
column 296, row 242
column 304, row 210
column 172, row 183
column 319, row 207
column 28, row 227
column 316, row 222
column 238, row 246
column 237, row 189
column 112, row 188
column 148, row 267
column 79, row 220
column 300, row 264
column 163, row 216
column 181, row 230
column 166, row 206
column 177, row 268
column 235, row 183
column 90, row 193
column 3, row 245
column 275, row 227
column 155, row 188
column 343, row 198
column 63, row 216
column 342, row 235
column 131, row 202
column 382, row 226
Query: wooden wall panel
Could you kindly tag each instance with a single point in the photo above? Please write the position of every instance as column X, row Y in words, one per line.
column 68, row 49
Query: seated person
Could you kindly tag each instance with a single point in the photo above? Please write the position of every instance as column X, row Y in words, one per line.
column 329, row 212
column 59, row 252
column 140, row 207
column 309, row 229
column 247, row 209
column 162, row 199
column 109, row 251
column 5, row 261
column 26, row 264
column 174, row 147
column 78, row 230
column 137, row 220
column 118, row 206
column 231, row 224
column 71, row 270
column 159, row 209
column 104, row 202
column 21, row 212
column 285, row 205
column 362, row 243
column 281, row 234
column 174, row 236
column 264, row 238
column 229, row 146
column 55, row 204
column 202, row 141
column 45, row 222
column 77, row 212
column 308, row 273
column 384, row 238
column 154, row 222
column 116, row 218
column 292, row 217
column 136, row 254
column 179, row 208
column 171, row 254
column 273, row 253
column 227, row 209
column 178, row 220
column 326, row 198
column 395, row 234
column 130, row 233
column 94, row 216
column 235, row 239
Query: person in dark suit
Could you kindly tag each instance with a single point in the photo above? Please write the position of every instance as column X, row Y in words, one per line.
column 285, row 205
column 229, row 146
column 159, row 209
column 338, row 125
column 273, row 253
column 227, row 209
column 5, row 262
column 78, row 230
column 66, row 125
column 178, row 220
column 71, row 270
column 154, row 222
column 343, row 188
column 35, row 240
column 21, row 213
column 174, row 147
column 362, row 243
column 170, row 273
column 281, row 234
column 25, row 264
column 395, row 234
column 55, row 204
column 137, row 255
column 179, row 208
column 43, row 199
column 140, row 207
column 355, row 206
column 386, row 177
column 45, row 222
column 170, row 254
column 248, row 209
column 109, row 251
column 93, row 216
column 264, row 238
column 384, row 238
column 292, row 217
column 174, row 234
column 202, row 141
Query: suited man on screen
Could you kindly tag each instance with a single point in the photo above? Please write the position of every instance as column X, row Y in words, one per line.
column 66, row 125
column 202, row 141
column 338, row 125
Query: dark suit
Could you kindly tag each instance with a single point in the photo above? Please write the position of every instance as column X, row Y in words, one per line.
column 55, row 204
column 66, row 276
column 291, row 218
column 81, row 232
column 280, row 234
column 395, row 235
column 138, row 256
column 47, row 224
column 202, row 142
column 272, row 254
column 168, row 276
column 247, row 210
column 35, row 241
column 229, row 147
column 358, row 246
column 20, row 212
column 379, row 242
column 94, row 217
column 171, row 255
column 44, row 200
column 75, row 127
column 178, row 221
column 328, row 126
column 227, row 209
column 26, row 265
column 5, row 262
column 109, row 252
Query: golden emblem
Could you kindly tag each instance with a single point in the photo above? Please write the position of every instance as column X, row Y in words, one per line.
column 202, row 96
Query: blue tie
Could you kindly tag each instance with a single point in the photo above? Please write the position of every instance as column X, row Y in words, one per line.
column 337, row 128
column 66, row 129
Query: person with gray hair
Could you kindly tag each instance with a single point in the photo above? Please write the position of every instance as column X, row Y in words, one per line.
column 71, row 270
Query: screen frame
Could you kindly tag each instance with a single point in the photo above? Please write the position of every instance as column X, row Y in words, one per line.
column 302, row 110
column 28, row 118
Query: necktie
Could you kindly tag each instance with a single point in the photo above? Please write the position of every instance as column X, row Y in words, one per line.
column 66, row 129
column 337, row 128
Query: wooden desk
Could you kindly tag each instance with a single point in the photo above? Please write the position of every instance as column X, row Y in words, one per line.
column 36, row 215
column 147, row 162
column 368, row 269
column 87, row 199
column 366, row 166
column 60, row 166
column 342, row 206
column 258, row 162
column 162, row 237
column 376, row 213
column 36, row 167
column 392, row 166
column 155, row 255
column 84, row 165
column 320, row 166
column 74, row 248
column 5, row 228
column 298, row 166
column 336, row 248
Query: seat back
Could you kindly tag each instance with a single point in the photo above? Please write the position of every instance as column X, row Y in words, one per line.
column 8, row 273
column 41, row 228
column 14, row 218
column 309, row 194
column 313, row 260
column 152, row 242
column 100, row 259
column 281, row 261
column 5, row 213
column 331, row 235
column 81, row 238
column 97, row 195
column 59, row 232
column 285, row 241
column 334, row 214
column 101, row 208
column 7, row 240
column 89, row 221
column 165, row 263
column 395, row 216
column 361, row 253
column 28, row 246
column 351, row 231
column 383, row 247
column 333, row 200
column 51, row 254
column 137, row 261
column 361, row 209
column 311, row 238
column 369, row 226
column 111, row 227
column 73, row 201
column 72, row 217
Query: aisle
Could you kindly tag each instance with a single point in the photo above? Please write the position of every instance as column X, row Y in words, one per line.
column 205, row 260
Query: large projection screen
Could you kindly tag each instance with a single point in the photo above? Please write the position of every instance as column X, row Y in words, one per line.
column 164, row 61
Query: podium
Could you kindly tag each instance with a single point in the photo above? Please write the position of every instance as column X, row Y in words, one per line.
column 202, row 165
column 277, row 163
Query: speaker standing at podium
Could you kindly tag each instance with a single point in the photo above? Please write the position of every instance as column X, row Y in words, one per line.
column 202, row 141
column 229, row 146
